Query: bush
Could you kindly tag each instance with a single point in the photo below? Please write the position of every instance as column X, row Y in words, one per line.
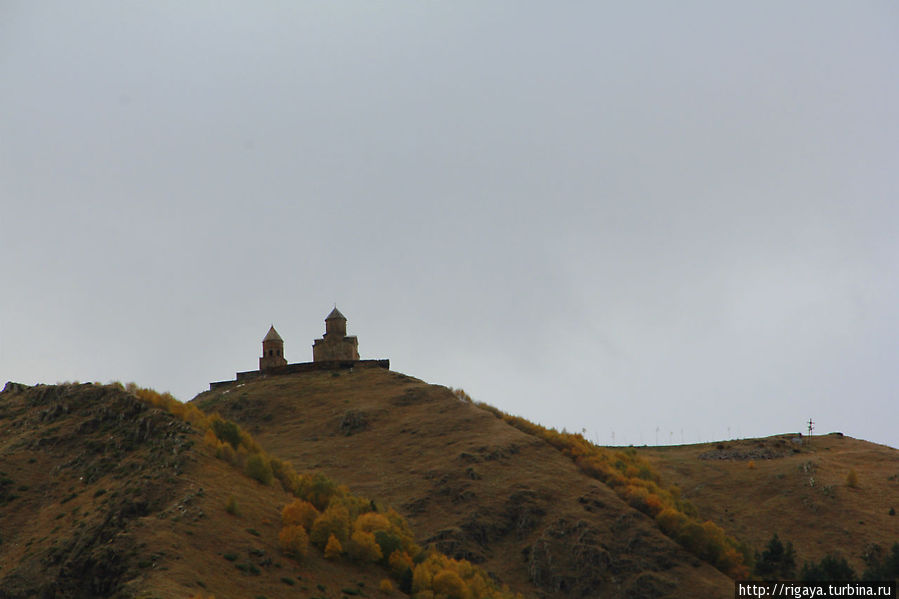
column 386, row 586
column 363, row 547
column 299, row 512
column 333, row 549
column 227, row 431
column 259, row 468
column 371, row 522
column 231, row 506
column 400, row 562
column 294, row 541
column 852, row 479
column 449, row 584
column 334, row 521
column 317, row 489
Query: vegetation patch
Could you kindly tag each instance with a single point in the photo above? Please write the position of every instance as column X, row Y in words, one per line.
column 638, row 484
column 335, row 521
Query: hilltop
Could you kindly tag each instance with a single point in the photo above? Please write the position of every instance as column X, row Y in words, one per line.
column 469, row 484
column 793, row 486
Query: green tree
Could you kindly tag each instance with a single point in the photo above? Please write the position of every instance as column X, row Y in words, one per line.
column 880, row 567
column 777, row 561
column 830, row 568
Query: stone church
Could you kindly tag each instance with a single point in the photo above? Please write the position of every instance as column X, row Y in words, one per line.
column 335, row 344
column 335, row 350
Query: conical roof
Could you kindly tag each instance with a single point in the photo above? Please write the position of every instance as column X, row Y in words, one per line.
column 335, row 313
column 272, row 335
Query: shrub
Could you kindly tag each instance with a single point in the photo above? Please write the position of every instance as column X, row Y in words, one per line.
column 285, row 473
column 227, row 431
column 317, row 489
column 448, row 583
column 386, row 586
column 363, row 547
column 852, row 479
column 259, row 468
column 333, row 549
column 400, row 562
column 371, row 522
column 334, row 521
column 231, row 506
column 389, row 543
column 299, row 512
column 294, row 541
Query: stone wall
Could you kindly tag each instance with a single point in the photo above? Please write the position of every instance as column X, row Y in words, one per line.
column 302, row 367
column 335, row 348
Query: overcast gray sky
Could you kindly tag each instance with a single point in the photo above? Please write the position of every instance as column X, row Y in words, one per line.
column 654, row 220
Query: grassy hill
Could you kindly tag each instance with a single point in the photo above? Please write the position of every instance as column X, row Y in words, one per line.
column 108, row 493
column 102, row 495
column 799, row 490
column 469, row 484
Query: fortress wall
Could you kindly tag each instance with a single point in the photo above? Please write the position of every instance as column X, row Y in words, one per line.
column 302, row 367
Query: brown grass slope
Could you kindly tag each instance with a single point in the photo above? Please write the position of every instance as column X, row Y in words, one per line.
column 104, row 496
column 470, row 485
column 757, row 487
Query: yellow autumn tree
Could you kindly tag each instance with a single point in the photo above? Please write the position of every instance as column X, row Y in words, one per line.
column 294, row 541
column 333, row 549
column 448, row 583
column 371, row 522
column 399, row 561
column 363, row 547
column 299, row 512
column 334, row 521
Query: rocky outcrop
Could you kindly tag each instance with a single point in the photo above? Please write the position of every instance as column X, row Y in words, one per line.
column 92, row 438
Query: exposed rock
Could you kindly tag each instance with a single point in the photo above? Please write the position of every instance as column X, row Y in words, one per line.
column 353, row 422
column 648, row 586
column 568, row 558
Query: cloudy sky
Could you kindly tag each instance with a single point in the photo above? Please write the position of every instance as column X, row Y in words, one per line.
column 656, row 221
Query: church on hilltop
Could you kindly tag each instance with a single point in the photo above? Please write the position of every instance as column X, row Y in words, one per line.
column 335, row 344
column 335, row 350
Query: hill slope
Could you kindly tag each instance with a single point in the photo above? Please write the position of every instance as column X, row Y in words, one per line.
column 470, row 485
column 103, row 496
column 757, row 487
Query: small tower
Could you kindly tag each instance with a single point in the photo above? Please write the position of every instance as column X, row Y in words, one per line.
column 272, row 351
column 335, row 344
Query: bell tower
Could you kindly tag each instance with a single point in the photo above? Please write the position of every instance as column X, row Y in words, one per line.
column 272, row 351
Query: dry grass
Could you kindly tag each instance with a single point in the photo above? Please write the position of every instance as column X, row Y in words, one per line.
column 802, row 496
column 66, row 505
column 464, row 479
